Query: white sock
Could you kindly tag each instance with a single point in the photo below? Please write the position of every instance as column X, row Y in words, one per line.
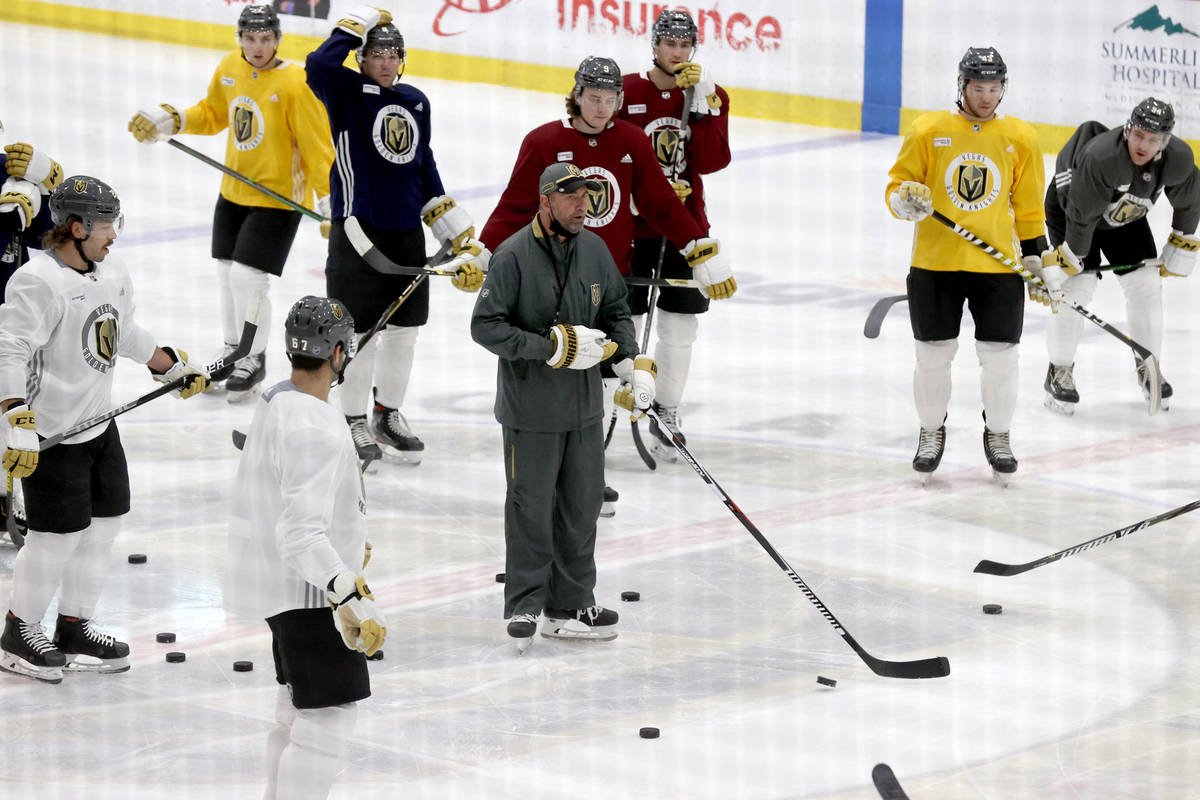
column 1064, row 328
column 1143, row 306
column 83, row 579
column 931, row 381
column 316, row 753
column 247, row 285
column 356, row 387
column 38, row 570
column 673, row 355
column 396, row 349
column 230, row 329
column 278, row 739
column 998, row 382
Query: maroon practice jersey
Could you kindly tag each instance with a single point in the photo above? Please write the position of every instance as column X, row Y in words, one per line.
column 657, row 112
column 621, row 160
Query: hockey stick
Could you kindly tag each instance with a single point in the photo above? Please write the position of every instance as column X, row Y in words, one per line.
column 886, row 784
column 253, row 184
column 878, row 311
column 995, row 568
column 239, row 439
column 371, row 254
column 216, row 371
column 1153, row 374
column 684, row 118
column 680, row 283
column 937, row 667
column 10, row 518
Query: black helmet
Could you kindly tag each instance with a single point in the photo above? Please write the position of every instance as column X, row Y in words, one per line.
column 981, row 64
column 259, row 18
column 597, row 72
column 382, row 37
column 316, row 325
column 1152, row 115
column 87, row 198
column 673, row 23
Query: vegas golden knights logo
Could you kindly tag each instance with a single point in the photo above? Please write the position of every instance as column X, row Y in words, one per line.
column 105, row 332
column 971, row 182
column 99, row 338
column 600, row 200
column 396, row 134
column 243, row 124
column 666, row 145
column 595, row 294
column 1124, row 212
column 80, row 185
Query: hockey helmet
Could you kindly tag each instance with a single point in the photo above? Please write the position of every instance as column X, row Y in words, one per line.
column 981, row 64
column 316, row 325
column 89, row 199
column 676, row 24
column 597, row 72
column 1155, row 116
column 259, row 18
column 383, row 37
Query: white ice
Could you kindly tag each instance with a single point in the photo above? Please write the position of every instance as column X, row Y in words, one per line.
column 1085, row 687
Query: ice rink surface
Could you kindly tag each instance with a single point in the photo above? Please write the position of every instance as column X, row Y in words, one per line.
column 1085, row 686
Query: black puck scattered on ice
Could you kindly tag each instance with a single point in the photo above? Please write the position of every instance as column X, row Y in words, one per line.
column 376, row 656
column 499, row 577
column 631, row 597
column 166, row 637
column 648, row 733
column 137, row 558
column 243, row 666
column 176, row 658
column 992, row 608
column 821, row 679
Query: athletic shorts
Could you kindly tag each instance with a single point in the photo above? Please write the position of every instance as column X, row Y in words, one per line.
column 255, row 236
column 313, row 662
column 1128, row 244
column 75, row 482
column 670, row 298
column 368, row 293
column 935, row 304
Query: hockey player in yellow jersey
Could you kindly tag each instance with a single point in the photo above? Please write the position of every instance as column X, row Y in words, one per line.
column 984, row 171
column 279, row 137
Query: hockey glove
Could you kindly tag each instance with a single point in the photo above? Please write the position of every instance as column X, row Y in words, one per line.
column 636, row 392
column 156, row 125
column 34, row 166
column 1178, row 255
column 705, row 99
column 578, row 347
column 23, row 197
column 361, row 19
column 710, row 268
column 449, row 223
column 471, row 263
column 355, row 615
column 1065, row 258
column 21, row 445
column 1050, row 291
column 324, row 210
column 682, row 189
column 911, row 201
column 198, row 381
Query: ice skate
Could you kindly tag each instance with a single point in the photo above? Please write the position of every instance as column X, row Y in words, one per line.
column 218, row 387
column 1164, row 387
column 87, row 649
column 392, row 432
column 999, row 454
column 522, row 627
column 364, row 442
column 609, row 507
column 25, row 651
column 594, row 623
column 1061, row 395
column 663, row 448
column 244, row 383
column 930, row 446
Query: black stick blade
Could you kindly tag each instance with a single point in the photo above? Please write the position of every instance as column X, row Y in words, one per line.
column 988, row 567
column 936, row 667
column 640, row 446
column 886, row 784
column 239, row 439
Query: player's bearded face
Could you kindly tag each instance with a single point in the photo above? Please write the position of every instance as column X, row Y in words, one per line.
column 569, row 209
column 981, row 98
column 95, row 246
column 259, row 47
column 382, row 66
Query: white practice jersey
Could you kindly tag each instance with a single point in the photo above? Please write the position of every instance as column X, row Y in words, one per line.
column 299, row 516
column 61, row 331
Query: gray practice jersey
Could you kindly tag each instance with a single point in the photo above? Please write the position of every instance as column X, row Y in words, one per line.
column 1097, row 185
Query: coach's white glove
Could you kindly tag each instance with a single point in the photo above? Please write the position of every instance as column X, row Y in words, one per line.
column 636, row 392
column 911, row 201
column 471, row 264
column 1178, row 255
column 710, row 268
column 21, row 445
column 182, row 369
column 355, row 615
column 33, row 165
column 578, row 347
column 449, row 223
column 156, row 125
column 1046, row 267
column 23, row 197
column 361, row 19
column 705, row 99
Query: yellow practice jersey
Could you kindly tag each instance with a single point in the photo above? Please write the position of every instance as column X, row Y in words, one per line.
column 278, row 131
column 986, row 176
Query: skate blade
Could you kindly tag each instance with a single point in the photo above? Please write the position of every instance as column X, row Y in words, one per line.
column 524, row 644
column 926, row 477
column 408, row 458
column 608, row 510
column 574, row 629
column 237, row 398
column 664, row 452
column 1002, row 478
column 1058, row 406
column 20, row 667
column 82, row 663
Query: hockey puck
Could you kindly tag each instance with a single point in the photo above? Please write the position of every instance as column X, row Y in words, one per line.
column 176, row 658
column 499, row 577
column 631, row 597
column 648, row 733
column 376, row 656
column 992, row 608
column 243, row 666
column 137, row 558
column 821, row 679
column 164, row 638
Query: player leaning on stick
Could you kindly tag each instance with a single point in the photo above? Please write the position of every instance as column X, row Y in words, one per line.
column 553, row 308
column 296, row 543
column 653, row 102
column 1105, row 182
column 386, row 177
column 984, row 171
column 278, row 136
column 29, row 177
column 69, row 313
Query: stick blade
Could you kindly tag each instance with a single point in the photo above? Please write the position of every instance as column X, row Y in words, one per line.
column 239, row 439
column 886, row 783
column 874, row 323
column 988, row 567
column 936, row 667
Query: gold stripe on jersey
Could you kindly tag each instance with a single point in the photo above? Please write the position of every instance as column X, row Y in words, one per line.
column 278, row 131
column 989, row 177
